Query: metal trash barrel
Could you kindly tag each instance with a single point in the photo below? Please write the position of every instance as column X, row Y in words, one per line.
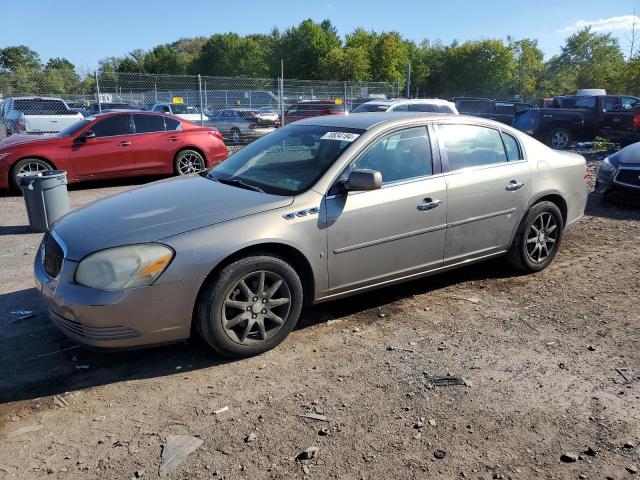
column 46, row 198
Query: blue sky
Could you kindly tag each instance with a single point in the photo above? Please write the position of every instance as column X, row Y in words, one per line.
column 85, row 32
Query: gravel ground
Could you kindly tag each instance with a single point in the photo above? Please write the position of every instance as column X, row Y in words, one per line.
column 537, row 356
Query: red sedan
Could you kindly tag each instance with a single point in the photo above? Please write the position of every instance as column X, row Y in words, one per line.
column 119, row 144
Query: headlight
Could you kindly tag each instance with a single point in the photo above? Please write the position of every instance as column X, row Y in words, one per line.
column 124, row 267
column 607, row 167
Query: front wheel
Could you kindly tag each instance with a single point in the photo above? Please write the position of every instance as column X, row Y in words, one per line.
column 189, row 161
column 559, row 138
column 28, row 166
column 538, row 238
column 250, row 306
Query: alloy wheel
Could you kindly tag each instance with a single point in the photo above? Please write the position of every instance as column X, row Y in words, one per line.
column 190, row 163
column 235, row 137
column 32, row 168
column 541, row 237
column 559, row 140
column 256, row 307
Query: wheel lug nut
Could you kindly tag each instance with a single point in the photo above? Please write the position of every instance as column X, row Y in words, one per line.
column 248, row 308
column 255, row 299
column 264, row 300
column 253, row 316
column 264, row 311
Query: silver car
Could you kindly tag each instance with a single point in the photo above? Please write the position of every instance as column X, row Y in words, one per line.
column 242, row 125
column 321, row 209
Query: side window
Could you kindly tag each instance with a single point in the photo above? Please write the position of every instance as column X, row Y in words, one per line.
column 148, row 123
column 422, row 107
column 171, row 123
column 505, row 108
column 611, row 104
column 400, row 108
column 471, row 146
column 511, row 146
column 585, row 102
column 157, row 108
column 629, row 103
column 111, row 126
column 399, row 156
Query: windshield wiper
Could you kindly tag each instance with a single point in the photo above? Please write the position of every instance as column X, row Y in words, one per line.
column 239, row 183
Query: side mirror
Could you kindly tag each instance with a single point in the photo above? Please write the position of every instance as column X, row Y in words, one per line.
column 362, row 180
column 86, row 135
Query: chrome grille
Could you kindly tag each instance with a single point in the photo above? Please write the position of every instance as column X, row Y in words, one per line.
column 52, row 256
column 628, row 176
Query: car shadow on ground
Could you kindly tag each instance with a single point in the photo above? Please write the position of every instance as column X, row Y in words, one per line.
column 14, row 230
column 614, row 208
column 38, row 361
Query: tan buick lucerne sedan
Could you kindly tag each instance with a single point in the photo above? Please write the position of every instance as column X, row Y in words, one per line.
column 323, row 208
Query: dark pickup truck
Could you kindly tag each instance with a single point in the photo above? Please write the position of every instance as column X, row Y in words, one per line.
column 499, row 110
column 583, row 118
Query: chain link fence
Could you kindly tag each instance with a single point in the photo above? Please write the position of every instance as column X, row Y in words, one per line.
column 46, row 102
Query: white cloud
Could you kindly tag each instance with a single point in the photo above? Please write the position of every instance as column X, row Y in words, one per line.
column 624, row 22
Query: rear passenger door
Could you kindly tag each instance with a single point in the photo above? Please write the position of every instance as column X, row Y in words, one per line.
column 153, row 146
column 488, row 184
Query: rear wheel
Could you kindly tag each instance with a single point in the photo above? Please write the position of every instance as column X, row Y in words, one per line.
column 250, row 306
column 559, row 138
column 28, row 166
column 189, row 161
column 538, row 238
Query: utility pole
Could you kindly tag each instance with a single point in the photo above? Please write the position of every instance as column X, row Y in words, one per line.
column 95, row 74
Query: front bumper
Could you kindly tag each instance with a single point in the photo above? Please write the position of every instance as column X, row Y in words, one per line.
column 608, row 185
column 120, row 319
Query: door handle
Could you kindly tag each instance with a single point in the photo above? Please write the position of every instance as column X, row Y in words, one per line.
column 124, row 144
column 173, row 139
column 514, row 185
column 429, row 204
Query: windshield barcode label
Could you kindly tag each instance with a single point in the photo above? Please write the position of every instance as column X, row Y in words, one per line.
column 342, row 136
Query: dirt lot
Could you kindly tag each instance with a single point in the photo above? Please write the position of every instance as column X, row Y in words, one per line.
column 538, row 355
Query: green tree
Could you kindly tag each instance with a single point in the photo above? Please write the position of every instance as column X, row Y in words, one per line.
column 480, row 68
column 389, row 57
column 349, row 63
column 530, row 68
column 20, row 57
column 303, row 48
column 165, row 59
column 587, row 60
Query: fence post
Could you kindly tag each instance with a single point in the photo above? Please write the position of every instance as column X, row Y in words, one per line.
column 155, row 92
column 282, row 92
column 344, row 100
column 206, row 101
column 398, row 87
column 200, row 93
column 98, row 92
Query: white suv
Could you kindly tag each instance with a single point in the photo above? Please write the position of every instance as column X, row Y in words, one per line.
column 435, row 105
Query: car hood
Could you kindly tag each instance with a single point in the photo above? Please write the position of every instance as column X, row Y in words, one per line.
column 156, row 211
column 629, row 155
column 17, row 139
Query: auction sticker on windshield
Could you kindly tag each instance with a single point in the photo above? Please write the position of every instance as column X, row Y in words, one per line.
column 341, row 136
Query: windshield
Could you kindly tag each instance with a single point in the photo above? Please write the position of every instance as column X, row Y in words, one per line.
column 370, row 107
column 42, row 106
column 75, row 127
column 289, row 160
column 180, row 109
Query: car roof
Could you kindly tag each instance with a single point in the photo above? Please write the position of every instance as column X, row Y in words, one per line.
column 33, row 98
column 367, row 120
column 395, row 101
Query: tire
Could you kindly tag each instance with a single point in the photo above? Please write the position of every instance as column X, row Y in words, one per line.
column 28, row 165
column 189, row 161
column 228, row 318
column 559, row 138
column 527, row 253
column 236, row 136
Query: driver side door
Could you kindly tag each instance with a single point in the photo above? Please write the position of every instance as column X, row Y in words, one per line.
column 109, row 153
column 396, row 231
